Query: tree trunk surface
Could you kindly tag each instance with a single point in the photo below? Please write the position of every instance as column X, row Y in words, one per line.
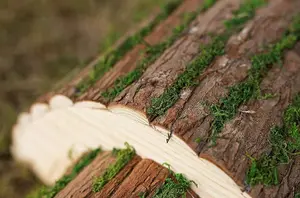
column 139, row 177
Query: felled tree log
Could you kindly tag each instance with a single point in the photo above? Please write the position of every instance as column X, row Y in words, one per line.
column 205, row 99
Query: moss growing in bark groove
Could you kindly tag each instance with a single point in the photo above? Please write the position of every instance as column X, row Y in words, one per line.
column 169, row 97
column 285, row 143
column 123, row 156
column 152, row 54
column 114, row 56
column 250, row 88
column 216, row 48
column 173, row 188
column 49, row 192
column 142, row 195
column 244, row 13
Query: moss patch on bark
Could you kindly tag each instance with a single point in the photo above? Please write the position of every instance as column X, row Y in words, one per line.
column 152, row 53
column 123, row 157
column 250, row 88
column 285, row 145
column 174, row 186
column 206, row 56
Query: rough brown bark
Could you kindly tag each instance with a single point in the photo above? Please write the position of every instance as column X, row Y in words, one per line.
column 139, row 176
column 81, row 186
column 267, row 26
column 248, row 133
column 164, row 71
column 145, row 178
column 192, row 118
column 113, row 185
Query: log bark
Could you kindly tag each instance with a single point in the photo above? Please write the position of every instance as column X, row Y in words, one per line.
column 139, row 177
column 81, row 186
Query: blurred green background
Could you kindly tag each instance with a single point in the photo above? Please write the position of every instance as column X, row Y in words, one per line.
column 41, row 41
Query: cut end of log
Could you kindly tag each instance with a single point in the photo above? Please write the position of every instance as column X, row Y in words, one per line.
column 46, row 141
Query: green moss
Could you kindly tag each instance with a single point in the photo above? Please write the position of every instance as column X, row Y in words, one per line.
column 297, row 195
column 162, row 103
column 123, row 156
column 216, row 47
column 244, row 13
column 142, row 195
column 250, row 88
column 198, row 140
column 285, row 144
column 174, row 188
column 266, row 96
column 207, row 4
column 152, row 53
column 49, row 192
column 114, row 56
column 115, row 152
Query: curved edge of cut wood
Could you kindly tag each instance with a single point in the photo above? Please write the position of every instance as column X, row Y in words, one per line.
column 45, row 137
